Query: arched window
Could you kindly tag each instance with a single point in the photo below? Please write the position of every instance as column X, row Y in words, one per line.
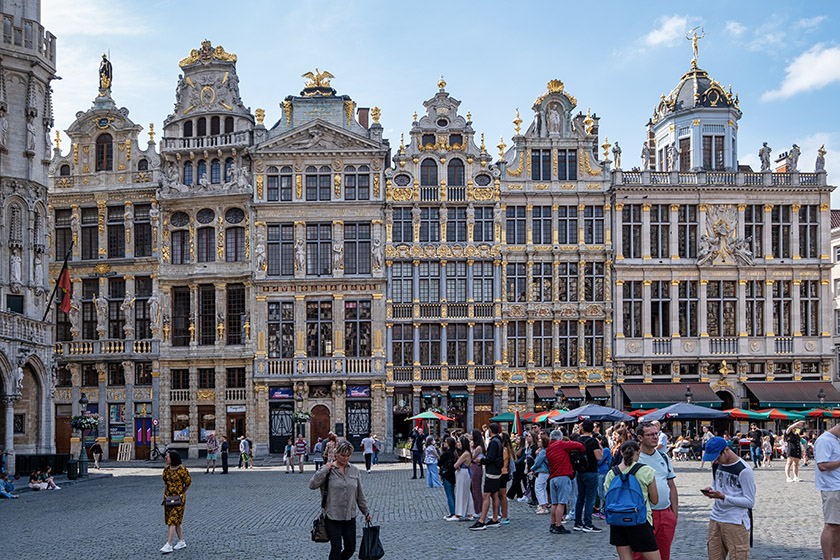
column 455, row 173
column 188, row 173
column 15, row 224
column 228, row 170
column 228, row 124
column 318, row 183
column 214, row 125
column 286, row 183
column 188, row 129
column 202, row 127
column 215, row 172
column 64, row 171
column 428, row 173
column 104, row 153
column 143, row 165
column 273, row 184
column 201, row 169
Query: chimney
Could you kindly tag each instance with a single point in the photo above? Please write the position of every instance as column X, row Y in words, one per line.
column 363, row 114
column 782, row 163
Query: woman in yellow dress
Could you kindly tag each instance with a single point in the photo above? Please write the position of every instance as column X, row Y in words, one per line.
column 177, row 479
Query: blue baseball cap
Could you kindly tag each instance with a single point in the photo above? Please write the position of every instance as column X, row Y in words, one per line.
column 714, row 447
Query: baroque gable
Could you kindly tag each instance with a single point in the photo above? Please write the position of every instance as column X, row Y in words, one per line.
column 318, row 136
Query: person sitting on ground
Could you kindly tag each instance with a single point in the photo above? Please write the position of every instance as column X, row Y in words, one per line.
column 7, row 487
column 47, row 477
column 34, row 481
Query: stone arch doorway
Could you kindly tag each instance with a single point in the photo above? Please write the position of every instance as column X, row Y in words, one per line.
column 727, row 398
column 28, row 416
column 319, row 424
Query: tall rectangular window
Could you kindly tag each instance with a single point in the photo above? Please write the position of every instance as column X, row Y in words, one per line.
column 402, row 282
column 281, row 329
column 456, row 344
column 235, row 378
column 721, row 308
column 456, row 282
column 319, row 327
column 90, row 290
column 543, row 342
column 206, row 314
column 286, row 184
column 689, row 301
column 357, row 328
column 755, row 307
column 429, row 282
column 632, row 308
column 180, row 246
column 567, row 165
column 318, row 249
column 90, row 233
column 402, row 345
column 782, row 302
column 142, row 230
column 483, row 281
column 484, row 341
column 318, row 183
column 593, row 343
column 143, row 373
column 754, row 229
column 809, row 307
column 515, row 225
column 593, row 224
column 567, row 225
column 206, row 244
column 593, row 282
column 631, row 232
column 235, row 244
column 235, row 313
column 685, row 154
column 541, row 225
column 206, row 378
column 357, row 183
column 116, row 374
column 713, row 152
column 181, row 316
column 430, row 345
column 280, row 250
column 401, row 231
column 687, row 223
column 142, row 318
column 180, row 379
column 357, row 248
column 780, row 224
column 429, row 225
column 516, row 279
column 456, row 224
column 543, row 275
column 517, row 344
column 90, row 377
column 116, row 316
column 483, row 229
column 63, row 233
column 541, row 165
column 62, row 326
column 272, row 181
column 116, row 232
column 808, row 231
column 660, row 308
column 567, row 282
column 660, row 231
column 568, row 343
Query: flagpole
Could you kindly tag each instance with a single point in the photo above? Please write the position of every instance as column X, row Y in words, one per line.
column 52, row 295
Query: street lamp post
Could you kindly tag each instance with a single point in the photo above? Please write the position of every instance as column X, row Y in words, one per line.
column 688, row 395
column 821, row 397
column 83, row 459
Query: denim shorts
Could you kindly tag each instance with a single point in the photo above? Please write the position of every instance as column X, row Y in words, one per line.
column 560, row 487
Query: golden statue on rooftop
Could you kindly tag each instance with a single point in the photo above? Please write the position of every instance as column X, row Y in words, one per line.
column 694, row 38
column 318, row 79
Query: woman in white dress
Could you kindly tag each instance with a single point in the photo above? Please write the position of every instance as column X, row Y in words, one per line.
column 464, row 507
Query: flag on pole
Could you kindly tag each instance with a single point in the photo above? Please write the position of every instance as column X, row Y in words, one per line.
column 67, row 289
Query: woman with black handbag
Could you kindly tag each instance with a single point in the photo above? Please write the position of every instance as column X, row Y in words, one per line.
column 177, row 479
column 343, row 487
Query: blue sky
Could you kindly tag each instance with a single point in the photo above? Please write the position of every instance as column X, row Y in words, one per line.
column 617, row 58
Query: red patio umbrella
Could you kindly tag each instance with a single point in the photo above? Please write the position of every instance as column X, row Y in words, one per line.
column 640, row 413
column 776, row 414
column 742, row 414
column 822, row 413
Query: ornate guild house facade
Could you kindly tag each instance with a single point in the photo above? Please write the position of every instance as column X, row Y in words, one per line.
column 267, row 280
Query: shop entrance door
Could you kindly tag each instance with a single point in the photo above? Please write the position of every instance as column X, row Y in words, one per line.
column 358, row 422
column 279, row 426
column 319, row 425
column 62, row 433
column 235, row 428
column 142, row 437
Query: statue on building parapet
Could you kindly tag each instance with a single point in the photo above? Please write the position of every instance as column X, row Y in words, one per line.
column 793, row 159
column 673, row 157
column 616, row 152
column 764, row 156
column 106, row 74
column 820, row 165
column 645, row 156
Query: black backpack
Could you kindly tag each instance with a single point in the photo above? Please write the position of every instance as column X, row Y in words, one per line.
column 579, row 460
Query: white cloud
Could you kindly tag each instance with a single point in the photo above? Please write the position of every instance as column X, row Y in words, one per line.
column 813, row 69
column 93, row 18
column 670, row 28
column 808, row 23
column 735, row 28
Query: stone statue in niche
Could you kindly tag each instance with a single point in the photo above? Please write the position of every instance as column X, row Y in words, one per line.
column 300, row 255
column 764, row 156
column 18, row 379
column 259, row 251
column 38, row 272
column 154, row 309
column 30, row 137
column 338, row 251
column 15, row 267
column 554, row 120
column 376, row 254
column 101, row 305
column 4, row 131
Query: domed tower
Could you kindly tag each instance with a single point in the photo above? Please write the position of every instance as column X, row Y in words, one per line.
column 694, row 128
column 103, row 204
column 27, row 66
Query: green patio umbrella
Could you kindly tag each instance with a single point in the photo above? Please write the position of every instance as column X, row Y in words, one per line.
column 743, row 414
column 776, row 414
column 506, row 417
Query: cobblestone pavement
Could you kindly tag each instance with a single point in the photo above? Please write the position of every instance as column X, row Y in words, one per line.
column 264, row 513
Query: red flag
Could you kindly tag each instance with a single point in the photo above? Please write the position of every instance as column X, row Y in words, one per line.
column 66, row 286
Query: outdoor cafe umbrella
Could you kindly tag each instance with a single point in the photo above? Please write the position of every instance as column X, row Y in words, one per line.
column 776, row 414
column 517, row 424
column 429, row 415
column 821, row 413
column 506, row 417
column 742, row 414
column 543, row 416
column 591, row 412
column 684, row 411
column 641, row 412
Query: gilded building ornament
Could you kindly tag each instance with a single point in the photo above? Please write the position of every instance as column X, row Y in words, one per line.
column 501, row 147
column 589, row 169
column 287, row 110
column 348, row 111
column 337, row 182
column 517, row 121
column 101, row 204
column 518, row 171
column 128, row 149
column 299, row 186
column 75, row 154
column 375, row 114
column 260, row 116
column 221, row 243
column 317, row 79
column 207, row 53
column 376, row 185
column 260, row 179
column 151, row 133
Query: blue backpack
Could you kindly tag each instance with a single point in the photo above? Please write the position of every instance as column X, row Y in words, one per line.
column 624, row 502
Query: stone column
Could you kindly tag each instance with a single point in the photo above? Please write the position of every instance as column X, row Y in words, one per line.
column 794, row 234
column 337, row 253
column 221, row 315
column 163, row 404
column 260, row 420
column 338, row 326
column 795, row 315
column 195, row 424
column 675, row 309
column 128, row 216
column 388, row 439
column 702, row 318
column 470, row 407
column 768, row 308
column 220, row 406
column 646, row 315
column 646, row 232
column 128, row 312
column 741, row 319
column 128, row 369
column 444, row 405
column 9, row 402
column 768, row 234
column 618, row 301
column 300, row 327
column 618, row 233
column 674, row 233
column 415, row 401
column 157, row 397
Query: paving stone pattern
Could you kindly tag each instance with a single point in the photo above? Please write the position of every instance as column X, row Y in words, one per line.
column 264, row 513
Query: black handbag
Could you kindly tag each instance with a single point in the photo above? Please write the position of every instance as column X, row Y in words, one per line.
column 172, row 501
column 371, row 547
column 319, row 525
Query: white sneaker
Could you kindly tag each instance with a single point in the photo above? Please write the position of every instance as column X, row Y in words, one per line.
column 166, row 549
column 795, row 479
column 522, row 499
column 179, row 545
column 789, row 479
column 57, row 488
